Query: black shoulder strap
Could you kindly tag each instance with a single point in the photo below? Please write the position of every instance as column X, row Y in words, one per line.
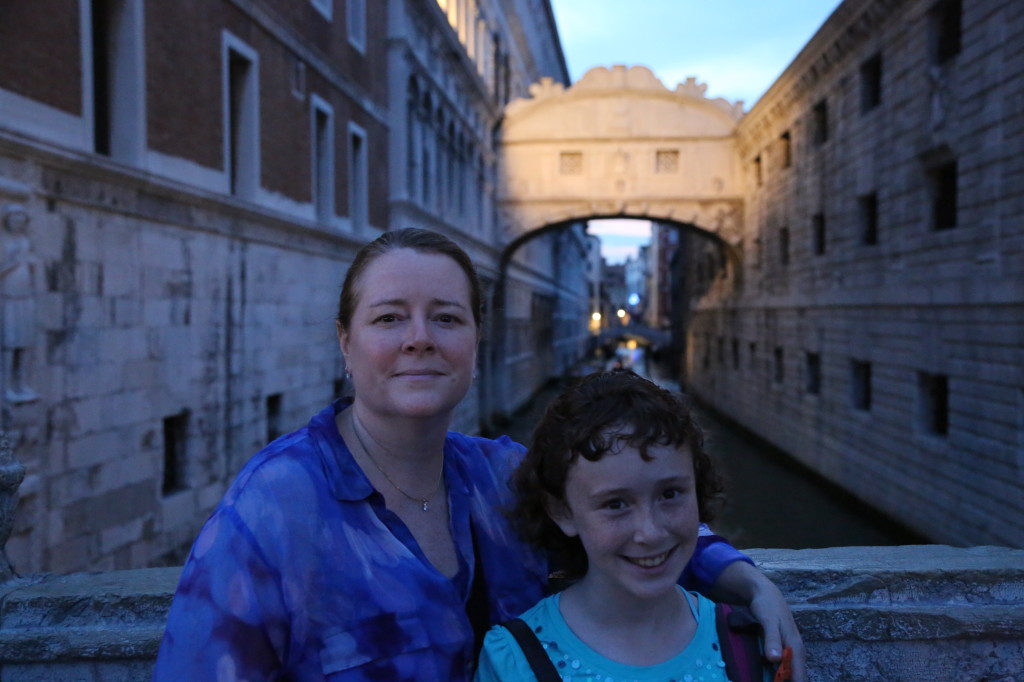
column 543, row 669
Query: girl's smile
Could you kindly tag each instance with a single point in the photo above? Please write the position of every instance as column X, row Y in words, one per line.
column 637, row 519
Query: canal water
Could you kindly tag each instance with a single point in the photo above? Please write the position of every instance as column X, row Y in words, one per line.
column 771, row 500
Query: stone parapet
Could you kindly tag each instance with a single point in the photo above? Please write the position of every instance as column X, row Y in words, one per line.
column 927, row 612
column 923, row 612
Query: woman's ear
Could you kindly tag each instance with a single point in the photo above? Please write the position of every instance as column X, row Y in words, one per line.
column 342, row 339
column 560, row 513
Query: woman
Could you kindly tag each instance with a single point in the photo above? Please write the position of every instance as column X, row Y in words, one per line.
column 370, row 544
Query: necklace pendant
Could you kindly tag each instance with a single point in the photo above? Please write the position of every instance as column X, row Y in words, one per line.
column 425, row 505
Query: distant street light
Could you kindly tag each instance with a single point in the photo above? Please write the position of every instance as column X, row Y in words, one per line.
column 596, row 317
column 621, row 313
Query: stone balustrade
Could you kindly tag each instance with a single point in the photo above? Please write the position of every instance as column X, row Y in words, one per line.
column 927, row 612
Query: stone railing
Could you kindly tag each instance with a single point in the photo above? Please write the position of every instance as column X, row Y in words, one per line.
column 927, row 612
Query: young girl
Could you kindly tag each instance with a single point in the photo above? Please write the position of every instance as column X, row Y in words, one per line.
column 616, row 485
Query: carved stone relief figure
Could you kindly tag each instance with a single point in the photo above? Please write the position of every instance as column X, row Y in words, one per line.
column 18, row 275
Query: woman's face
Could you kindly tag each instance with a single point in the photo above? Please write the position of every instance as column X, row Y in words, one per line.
column 411, row 346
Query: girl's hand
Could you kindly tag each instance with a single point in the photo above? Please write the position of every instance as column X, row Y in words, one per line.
column 742, row 583
column 772, row 611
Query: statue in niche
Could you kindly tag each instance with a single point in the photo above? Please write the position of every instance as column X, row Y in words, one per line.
column 18, row 274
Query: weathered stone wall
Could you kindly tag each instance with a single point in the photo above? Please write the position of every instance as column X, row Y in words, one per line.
column 155, row 302
column 892, row 614
column 874, row 328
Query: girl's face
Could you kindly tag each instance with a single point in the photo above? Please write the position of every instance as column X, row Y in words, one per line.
column 411, row 346
column 637, row 519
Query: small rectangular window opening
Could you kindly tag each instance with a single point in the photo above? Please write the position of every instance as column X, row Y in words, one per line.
column 735, row 354
column 779, row 363
column 871, row 83
column 786, row 149
column 274, row 416
column 868, row 208
column 819, row 122
column 358, row 180
column 818, row 233
column 784, row 246
column 861, row 383
column 570, row 163
column 813, row 384
column 175, row 452
column 946, row 29
column 758, row 171
column 933, row 399
column 943, row 181
column 356, row 19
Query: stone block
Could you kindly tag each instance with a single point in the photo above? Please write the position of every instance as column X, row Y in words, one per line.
column 94, row 448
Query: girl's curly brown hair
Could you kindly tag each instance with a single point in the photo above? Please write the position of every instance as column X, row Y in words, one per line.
column 588, row 420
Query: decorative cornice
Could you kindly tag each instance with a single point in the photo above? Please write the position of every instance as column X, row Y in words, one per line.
column 619, row 78
column 852, row 24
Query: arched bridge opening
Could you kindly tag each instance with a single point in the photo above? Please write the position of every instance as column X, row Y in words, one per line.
column 616, row 144
column 525, row 335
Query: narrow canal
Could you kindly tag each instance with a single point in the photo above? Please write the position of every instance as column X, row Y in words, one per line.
column 772, row 500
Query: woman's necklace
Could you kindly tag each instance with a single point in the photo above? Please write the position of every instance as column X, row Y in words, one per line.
column 424, row 502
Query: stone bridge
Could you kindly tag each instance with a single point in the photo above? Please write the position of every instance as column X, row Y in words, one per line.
column 917, row 613
column 618, row 143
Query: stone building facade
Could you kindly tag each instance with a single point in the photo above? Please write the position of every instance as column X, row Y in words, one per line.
column 874, row 328
column 182, row 186
column 454, row 65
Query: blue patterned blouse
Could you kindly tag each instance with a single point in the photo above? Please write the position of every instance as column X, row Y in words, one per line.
column 302, row 574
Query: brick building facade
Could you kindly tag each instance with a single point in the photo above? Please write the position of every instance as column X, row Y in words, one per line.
column 196, row 177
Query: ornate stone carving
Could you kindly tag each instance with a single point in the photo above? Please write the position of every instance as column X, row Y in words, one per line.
column 18, row 275
column 11, row 474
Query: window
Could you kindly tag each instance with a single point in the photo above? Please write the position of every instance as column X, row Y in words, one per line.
column 784, row 246
column 241, row 117
column 871, row 83
column 355, row 15
column 707, row 351
column 322, row 147
column 358, row 195
column 324, row 7
column 735, row 354
column 752, row 350
column 758, row 171
column 786, row 150
column 721, row 351
column 813, row 383
column 298, row 79
column 943, row 187
column 118, row 80
column 867, row 208
column 818, row 233
column 819, row 122
column 946, row 29
column 273, row 416
column 570, row 163
column 779, row 365
column 666, row 161
column 861, row 383
column 175, row 452
column 933, row 403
